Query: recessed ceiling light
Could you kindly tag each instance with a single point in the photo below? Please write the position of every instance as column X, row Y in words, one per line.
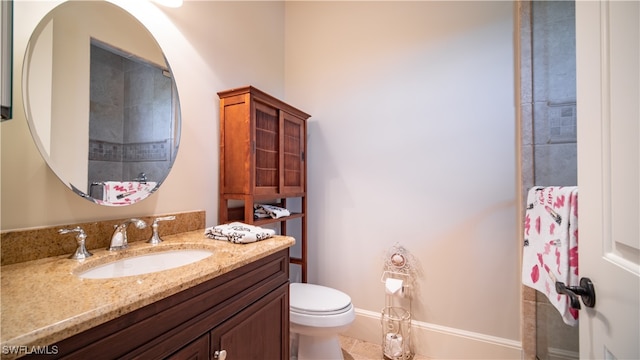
column 169, row 3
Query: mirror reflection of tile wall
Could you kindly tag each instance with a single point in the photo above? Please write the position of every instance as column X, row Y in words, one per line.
column 131, row 125
column 554, row 93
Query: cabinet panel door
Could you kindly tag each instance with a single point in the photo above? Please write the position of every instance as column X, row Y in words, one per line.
column 293, row 154
column 259, row 332
column 235, row 145
column 267, row 149
column 197, row 350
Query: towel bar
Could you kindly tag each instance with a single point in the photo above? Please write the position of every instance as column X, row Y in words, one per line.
column 586, row 291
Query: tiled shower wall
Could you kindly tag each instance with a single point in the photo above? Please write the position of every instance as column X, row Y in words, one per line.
column 554, row 93
column 549, row 151
column 131, row 126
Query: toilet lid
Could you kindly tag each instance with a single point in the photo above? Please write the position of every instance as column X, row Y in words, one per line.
column 311, row 298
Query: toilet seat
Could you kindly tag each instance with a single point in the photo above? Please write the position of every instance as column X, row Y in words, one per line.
column 319, row 306
column 314, row 299
column 317, row 314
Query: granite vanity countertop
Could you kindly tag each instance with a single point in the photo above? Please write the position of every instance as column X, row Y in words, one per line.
column 43, row 301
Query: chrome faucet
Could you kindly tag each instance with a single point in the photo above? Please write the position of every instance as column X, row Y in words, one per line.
column 119, row 237
column 81, row 251
column 142, row 177
column 155, row 237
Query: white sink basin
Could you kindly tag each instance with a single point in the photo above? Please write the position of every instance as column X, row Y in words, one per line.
column 145, row 264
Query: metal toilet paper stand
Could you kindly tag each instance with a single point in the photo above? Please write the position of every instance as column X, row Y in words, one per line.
column 398, row 277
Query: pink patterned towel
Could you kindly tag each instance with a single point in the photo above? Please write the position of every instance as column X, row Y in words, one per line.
column 551, row 244
column 125, row 192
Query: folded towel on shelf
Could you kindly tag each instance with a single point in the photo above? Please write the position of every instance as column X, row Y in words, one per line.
column 550, row 250
column 265, row 210
column 260, row 215
column 125, row 192
column 238, row 233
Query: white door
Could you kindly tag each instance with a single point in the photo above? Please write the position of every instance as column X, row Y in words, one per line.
column 608, row 78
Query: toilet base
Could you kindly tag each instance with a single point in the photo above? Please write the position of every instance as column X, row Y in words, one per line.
column 319, row 347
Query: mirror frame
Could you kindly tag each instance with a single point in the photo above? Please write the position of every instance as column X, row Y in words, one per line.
column 6, row 59
column 57, row 167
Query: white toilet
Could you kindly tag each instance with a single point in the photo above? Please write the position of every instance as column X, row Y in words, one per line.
column 317, row 315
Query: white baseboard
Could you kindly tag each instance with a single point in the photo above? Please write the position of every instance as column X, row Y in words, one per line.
column 561, row 354
column 438, row 342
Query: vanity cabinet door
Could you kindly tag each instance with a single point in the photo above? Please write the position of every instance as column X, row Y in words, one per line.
column 261, row 331
column 197, row 350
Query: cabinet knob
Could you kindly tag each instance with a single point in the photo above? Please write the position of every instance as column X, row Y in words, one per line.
column 220, row 354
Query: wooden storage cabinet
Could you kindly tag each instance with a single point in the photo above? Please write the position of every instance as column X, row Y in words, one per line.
column 245, row 312
column 262, row 145
column 262, row 159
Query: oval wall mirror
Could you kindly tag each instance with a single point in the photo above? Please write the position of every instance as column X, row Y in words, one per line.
column 101, row 102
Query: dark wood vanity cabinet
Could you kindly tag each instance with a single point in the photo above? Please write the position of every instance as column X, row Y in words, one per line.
column 198, row 350
column 262, row 160
column 251, row 334
column 244, row 312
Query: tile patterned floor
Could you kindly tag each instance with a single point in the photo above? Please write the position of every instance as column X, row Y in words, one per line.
column 354, row 349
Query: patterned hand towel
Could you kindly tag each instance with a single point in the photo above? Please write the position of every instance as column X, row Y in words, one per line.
column 265, row 210
column 239, row 233
column 551, row 244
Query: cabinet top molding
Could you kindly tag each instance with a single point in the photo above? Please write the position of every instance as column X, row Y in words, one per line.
column 264, row 97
